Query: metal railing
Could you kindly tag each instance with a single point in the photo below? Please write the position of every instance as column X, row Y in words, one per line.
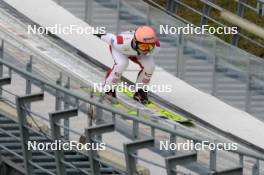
column 23, row 107
column 116, row 114
column 23, row 111
column 96, row 130
column 260, row 7
column 173, row 5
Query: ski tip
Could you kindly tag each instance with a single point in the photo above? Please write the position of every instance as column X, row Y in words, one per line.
column 188, row 123
column 183, row 121
column 150, row 105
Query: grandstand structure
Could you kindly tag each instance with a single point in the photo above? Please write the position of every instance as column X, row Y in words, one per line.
column 42, row 101
column 208, row 6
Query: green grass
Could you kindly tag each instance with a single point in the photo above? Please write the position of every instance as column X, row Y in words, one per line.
column 231, row 6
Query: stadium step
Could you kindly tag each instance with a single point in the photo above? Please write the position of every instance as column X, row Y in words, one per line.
column 47, row 162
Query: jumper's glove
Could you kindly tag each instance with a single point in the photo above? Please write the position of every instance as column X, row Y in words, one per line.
column 98, row 35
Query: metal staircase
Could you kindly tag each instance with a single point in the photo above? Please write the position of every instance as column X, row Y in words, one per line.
column 15, row 134
column 12, row 150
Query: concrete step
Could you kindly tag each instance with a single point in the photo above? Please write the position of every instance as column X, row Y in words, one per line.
column 230, row 93
column 202, row 75
column 9, row 126
column 4, row 120
column 105, row 16
column 52, row 165
column 17, row 133
column 35, row 153
column 12, row 146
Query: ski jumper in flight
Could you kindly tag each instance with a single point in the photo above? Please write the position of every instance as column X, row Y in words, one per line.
column 139, row 46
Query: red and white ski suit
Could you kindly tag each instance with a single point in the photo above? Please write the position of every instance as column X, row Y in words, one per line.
column 122, row 52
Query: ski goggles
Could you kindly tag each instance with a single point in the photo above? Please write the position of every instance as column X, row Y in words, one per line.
column 145, row 46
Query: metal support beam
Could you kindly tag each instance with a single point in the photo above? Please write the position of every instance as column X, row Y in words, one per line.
column 135, row 127
column 131, row 148
column 5, row 81
column 1, row 65
column 55, row 118
column 148, row 19
column 152, row 131
column 173, row 140
column 212, row 163
column 28, row 80
column 100, row 129
column 241, row 160
column 1, row 158
column 118, row 7
column 31, row 98
column 260, row 7
column 214, row 73
column 248, row 88
column 99, row 116
column 24, row 133
column 3, row 169
column 88, row 11
column 90, row 133
column 206, row 12
column 172, row 161
column 232, row 171
column 58, row 94
column 172, row 6
column 240, row 12
column 66, row 106
column 180, row 59
column 2, row 164
column 135, row 130
column 256, row 169
column 57, row 115
column 113, row 117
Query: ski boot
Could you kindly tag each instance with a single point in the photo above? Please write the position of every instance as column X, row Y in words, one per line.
column 141, row 96
column 110, row 96
column 111, row 93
